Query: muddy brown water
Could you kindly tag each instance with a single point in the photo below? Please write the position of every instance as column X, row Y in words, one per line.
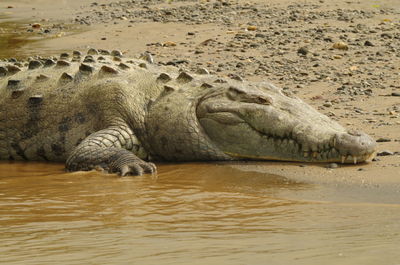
column 189, row 214
column 194, row 213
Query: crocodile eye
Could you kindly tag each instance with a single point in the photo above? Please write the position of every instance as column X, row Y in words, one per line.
column 248, row 97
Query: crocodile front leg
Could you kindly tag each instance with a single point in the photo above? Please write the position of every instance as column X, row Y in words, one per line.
column 110, row 149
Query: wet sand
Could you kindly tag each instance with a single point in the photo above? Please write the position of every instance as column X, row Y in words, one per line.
column 220, row 213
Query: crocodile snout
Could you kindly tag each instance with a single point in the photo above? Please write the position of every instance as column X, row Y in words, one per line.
column 354, row 146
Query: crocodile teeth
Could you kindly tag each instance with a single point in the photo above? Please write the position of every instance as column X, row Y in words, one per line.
column 343, row 159
column 355, row 160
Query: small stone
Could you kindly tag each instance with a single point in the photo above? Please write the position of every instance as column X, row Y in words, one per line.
column 368, row 43
column 36, row 25
column 353, row 68
column 252, row 28
column 340, row 46
column 332, row 165
column 303, row 51
column 385, row 153
column 383, row 140
column 169, row 44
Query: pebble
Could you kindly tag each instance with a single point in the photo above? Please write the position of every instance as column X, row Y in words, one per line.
column 340, row 46
column 383, row 140
column 169, row 44
column 251, row 28
column 332, row 165
column 303, row 50
column 368, row 43
column 385, row 153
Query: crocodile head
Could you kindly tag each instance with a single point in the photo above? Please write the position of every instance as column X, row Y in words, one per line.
column 251, row 121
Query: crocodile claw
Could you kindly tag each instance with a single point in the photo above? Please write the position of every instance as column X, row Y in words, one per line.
column 137, row 168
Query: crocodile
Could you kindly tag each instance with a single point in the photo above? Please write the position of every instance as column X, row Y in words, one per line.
column 100, row 110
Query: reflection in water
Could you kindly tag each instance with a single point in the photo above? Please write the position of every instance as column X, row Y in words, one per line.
column 190, row 214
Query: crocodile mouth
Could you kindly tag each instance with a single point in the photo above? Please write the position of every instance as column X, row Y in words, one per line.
column 340, row 146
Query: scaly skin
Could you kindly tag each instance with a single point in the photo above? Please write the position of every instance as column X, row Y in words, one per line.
column 113, row 113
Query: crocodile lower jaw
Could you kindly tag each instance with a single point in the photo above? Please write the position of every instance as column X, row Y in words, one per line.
column 342, row 159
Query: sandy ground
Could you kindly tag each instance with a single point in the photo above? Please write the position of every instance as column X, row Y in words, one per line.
column 357, row 85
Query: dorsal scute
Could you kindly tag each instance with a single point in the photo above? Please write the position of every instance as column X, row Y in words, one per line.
column 86, row 68
column 89, row 59
column 3, row 71
column 62, row 63
column 92, row 51
column 13, row 69
column 184, row 77
column 33, row 64
column 49, row 63
column 64, row 56
column 106, row 70
column 65, row 78
column 42, row 77
column 164, row 78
